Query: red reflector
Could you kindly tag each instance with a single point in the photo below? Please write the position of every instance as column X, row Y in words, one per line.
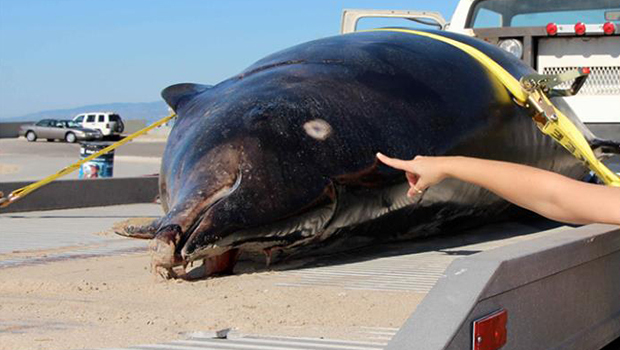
column 552, row 29
column 609, row 28
column 490, row 331
column 585, row 70
column 580, row 28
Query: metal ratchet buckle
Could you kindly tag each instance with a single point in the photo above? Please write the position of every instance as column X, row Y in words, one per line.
column 537, row 86
column 4, row 202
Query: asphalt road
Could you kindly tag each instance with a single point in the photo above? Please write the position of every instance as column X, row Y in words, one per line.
column 61, row 149
column 21, row 160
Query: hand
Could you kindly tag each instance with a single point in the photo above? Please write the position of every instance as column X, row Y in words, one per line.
column 422, row 172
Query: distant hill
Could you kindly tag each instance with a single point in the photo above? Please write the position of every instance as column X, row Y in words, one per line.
column 149, row 111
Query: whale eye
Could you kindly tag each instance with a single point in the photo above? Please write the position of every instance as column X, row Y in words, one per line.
column 318, row 129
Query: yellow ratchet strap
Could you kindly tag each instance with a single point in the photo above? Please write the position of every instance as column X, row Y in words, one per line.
column 24, row 191
column 550, row 120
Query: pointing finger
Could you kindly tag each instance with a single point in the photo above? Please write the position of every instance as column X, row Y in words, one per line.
column 393, row 162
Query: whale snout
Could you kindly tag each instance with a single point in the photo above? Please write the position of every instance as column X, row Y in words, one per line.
column 164, row 257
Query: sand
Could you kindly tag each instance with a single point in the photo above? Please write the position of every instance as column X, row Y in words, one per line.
column 121, row 225
column 9, row 169
column 116, row 302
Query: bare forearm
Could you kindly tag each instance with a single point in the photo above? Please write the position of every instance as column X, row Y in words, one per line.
column 549, row 194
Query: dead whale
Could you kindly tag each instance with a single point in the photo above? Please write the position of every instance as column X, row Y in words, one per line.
column 281, row 157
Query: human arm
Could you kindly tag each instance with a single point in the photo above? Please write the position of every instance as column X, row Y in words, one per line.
column 549, row 194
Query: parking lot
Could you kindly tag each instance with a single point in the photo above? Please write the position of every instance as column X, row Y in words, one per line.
column 28, row 161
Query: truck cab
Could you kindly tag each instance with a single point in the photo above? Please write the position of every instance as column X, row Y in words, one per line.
column 551, row 36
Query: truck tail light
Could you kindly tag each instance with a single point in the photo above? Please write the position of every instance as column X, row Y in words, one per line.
column 609, row 28
column 107, row 125
column 580, row 28
column 489, row 332
column 552, row 29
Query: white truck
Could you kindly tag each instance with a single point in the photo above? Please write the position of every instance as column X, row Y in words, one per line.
column 551, row 36
column 109, row 124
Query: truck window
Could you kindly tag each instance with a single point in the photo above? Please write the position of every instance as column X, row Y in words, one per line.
column 487, row 19
column 79, row 119
column 373, row 22
column 101, row 118
column 73, row 124
column 540, row 19
column 90, row 118
column 525, row 13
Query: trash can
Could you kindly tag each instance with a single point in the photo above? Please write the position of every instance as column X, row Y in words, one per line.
column 102, row 166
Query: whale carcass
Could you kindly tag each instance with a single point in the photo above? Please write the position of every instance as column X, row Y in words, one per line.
column 281, row 157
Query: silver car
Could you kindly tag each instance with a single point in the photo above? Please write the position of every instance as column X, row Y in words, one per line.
column 52, row 129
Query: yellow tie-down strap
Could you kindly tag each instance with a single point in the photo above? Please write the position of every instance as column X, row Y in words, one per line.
column 22, row 192
column 561, row 129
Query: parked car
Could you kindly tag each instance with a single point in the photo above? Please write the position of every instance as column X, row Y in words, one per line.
column 110, row 124
column 52, row 129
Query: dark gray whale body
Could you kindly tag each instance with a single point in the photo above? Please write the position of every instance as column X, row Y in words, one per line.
column 282, row 156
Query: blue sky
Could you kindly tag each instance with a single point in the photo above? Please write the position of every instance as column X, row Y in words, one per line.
column 68, row 53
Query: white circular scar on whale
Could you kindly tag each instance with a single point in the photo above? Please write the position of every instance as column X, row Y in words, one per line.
column 318, row 129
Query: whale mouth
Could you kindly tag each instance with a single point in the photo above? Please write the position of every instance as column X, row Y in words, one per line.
column 318, row 224
column 167, row 258
column 281, row 235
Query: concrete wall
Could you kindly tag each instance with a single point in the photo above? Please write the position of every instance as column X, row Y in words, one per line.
column 10, row 130
column 65, row 194
column 132, row 126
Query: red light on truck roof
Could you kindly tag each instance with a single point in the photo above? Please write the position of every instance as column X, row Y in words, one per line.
column 580, row 28
column 585, row 70
column 490, row 331
column 609, row 28
column 552, row 29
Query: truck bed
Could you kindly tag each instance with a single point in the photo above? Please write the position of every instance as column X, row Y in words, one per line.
column 353, row 300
